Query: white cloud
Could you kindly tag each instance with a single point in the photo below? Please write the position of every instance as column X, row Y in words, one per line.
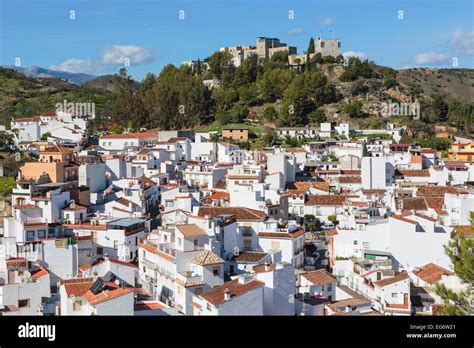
column 325, row 22
column 74, row 65
column 296, row 31
column 430, row 58
column 462, row 42
column 111, row 57
column 115, row 55
column 360, row 55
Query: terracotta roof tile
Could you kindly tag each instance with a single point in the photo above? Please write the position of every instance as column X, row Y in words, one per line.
column 413, row 172
column 106, row 295
column 431, row 273
column 320, row 276
column 215, row 296
column 189, row 230
column 206, row 258
column 77, row 286
column 250, row 256
column 241, row 213
column 329, row 200
column 131, row 135
column 350, row 180
column 392, row 280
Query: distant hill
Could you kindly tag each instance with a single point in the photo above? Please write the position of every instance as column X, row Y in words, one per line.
column 109, row 83
column 38, row 72
column 23, row 96
column 456, row 83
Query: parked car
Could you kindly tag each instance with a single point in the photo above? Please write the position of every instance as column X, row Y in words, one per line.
column 327, row 226
column 315, row 255
column 310, row 261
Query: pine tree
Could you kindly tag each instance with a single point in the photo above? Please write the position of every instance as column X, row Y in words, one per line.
column 461, row 253
column 311, row 47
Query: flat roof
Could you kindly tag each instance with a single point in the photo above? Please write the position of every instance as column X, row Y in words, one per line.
column 126, row 222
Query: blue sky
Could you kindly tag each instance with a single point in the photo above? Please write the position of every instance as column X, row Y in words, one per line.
column 151, row 34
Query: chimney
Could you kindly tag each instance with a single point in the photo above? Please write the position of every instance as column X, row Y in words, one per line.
column 267, row 266
column 226, row 294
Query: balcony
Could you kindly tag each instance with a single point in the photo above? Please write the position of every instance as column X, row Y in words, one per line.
column 188, row 277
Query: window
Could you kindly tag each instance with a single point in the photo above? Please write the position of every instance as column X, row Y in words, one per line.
column 208, row 306
column 329, row 287
column 355, row 242
column 275, row 245
column 30, row 235
column 42, row 234
column 115, row 245
column 394, row 295
column 216, row 271
column 23, row 303
column 198, row 291
column 77, row 306
column 180, row 241
column 100, row 250
column 323, row 44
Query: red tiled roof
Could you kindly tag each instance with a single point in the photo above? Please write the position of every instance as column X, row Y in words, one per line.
column 219, row 195
column 250, row 256
column 106, row 295
column 438, row 190
column 148, row 306
column 320, row 276
column 391, row 280
column 241, row 213
column 413, row 172
column 215, row 296
column 294, row 234
column 144, row 135
column 40, row 273
column 414, row 203
column 330, row 200
column 24, row 206
column 190, row 230
column 431, row 273
column 306, row 185
column 77, row 286
column 350, row 180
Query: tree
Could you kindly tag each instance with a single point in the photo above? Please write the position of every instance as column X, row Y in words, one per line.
column 220, row 63
column 365, row 151
column 44, row 136
column 269, row 137
column 354, row 109
column 305, row 93
column 317, row 116
column 239, row 113
column 280, row 56
column 439, row 108
column 311, row 47
column 461, row 252
column 269, row 114
column 199, row 68
column 357, row 69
